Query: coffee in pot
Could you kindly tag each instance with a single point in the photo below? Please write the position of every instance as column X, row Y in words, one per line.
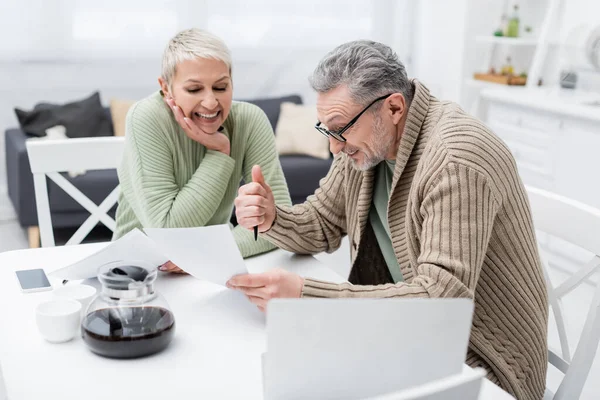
column 128, row 318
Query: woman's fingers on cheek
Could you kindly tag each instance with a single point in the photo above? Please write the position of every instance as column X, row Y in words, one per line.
column 188, row 123
column 181, row 118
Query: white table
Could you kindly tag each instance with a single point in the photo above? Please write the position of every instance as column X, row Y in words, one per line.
column 216, row 352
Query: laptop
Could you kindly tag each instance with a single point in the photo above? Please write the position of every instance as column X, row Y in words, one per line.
column 358, row 348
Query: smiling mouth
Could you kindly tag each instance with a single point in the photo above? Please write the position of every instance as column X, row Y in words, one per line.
column 207, row 117
column 351, row 153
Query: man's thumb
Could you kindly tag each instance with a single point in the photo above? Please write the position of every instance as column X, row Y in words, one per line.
column 257, row 175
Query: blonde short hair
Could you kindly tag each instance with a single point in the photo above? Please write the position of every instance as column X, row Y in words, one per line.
column 191, row 44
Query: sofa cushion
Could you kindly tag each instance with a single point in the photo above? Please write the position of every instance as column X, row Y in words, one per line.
column 118, row 112
column 295, row 132
column 272, row 106
column 82, row 118
column 303, row 174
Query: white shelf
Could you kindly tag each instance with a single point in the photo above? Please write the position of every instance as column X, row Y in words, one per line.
column 476, row 83
column 480, row 86
column 507, row 40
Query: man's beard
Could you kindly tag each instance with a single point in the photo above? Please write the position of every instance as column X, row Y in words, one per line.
column 380, row 143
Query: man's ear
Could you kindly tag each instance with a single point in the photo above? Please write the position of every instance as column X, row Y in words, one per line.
column 164, row 88
column 397, row 107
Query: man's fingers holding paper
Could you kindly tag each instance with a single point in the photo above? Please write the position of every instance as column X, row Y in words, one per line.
column 260, row 288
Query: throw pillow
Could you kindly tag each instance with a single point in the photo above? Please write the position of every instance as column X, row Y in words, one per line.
column 58, row 132
column 295, row 132
column 118, row 112
column 272, row 106
column 84, row 118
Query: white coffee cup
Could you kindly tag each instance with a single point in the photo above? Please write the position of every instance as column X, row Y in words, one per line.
column 82, row 293
column 58, row 320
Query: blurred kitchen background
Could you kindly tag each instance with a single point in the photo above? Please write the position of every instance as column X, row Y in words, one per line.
column 530, row 69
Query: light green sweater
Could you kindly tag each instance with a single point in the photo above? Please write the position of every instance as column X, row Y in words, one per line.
column 171, row 181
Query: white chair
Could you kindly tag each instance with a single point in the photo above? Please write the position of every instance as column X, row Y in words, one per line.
column 579, row 225
column 465, row 386
column 49, row 158
column 3, row 394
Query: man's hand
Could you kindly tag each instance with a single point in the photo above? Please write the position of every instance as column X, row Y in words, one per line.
column 255, row 204
column 212, row 141
column 260, row 288
column 170, row 267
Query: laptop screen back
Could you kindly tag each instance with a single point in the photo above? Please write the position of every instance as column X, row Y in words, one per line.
column 355, row 348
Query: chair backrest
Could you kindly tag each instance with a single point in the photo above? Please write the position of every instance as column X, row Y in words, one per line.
column 465, row 386
column 48, row 158
column 3, row 394
column 578, row 224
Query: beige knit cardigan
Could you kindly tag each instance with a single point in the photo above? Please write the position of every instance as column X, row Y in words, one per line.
column 461, row 226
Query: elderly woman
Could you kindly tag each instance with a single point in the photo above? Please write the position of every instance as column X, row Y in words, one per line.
column 189, row 145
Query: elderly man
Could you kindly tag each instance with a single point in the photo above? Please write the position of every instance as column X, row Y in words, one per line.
column 433, row 206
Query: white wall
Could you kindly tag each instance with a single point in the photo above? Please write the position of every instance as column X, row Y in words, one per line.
column 432, row 37
column 438, row 45
column 115, row 49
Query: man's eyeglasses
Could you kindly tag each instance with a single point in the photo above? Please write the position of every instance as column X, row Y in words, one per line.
column 338, row 134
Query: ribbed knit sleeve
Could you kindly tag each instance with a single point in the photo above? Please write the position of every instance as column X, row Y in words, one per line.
column 260, row 150
column 457, row 214
column 317, row 225
column 147, row 176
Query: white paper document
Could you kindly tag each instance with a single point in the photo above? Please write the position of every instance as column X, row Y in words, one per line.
column 208, row 252
column 134, row 246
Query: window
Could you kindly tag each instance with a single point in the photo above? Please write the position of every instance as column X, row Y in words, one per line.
column 71, row 29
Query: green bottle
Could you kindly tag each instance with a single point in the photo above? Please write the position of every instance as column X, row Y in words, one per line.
column 513, row 24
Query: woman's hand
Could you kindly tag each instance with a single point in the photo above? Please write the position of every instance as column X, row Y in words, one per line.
column 212, row 141
column 170, row 267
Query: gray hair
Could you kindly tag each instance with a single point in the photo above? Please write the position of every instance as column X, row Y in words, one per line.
column 191, row 44
column 369, row 70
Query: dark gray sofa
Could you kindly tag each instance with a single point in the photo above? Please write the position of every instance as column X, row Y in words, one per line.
column 302, row 174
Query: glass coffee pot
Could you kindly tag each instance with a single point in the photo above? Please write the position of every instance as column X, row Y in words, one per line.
column 128, row 318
